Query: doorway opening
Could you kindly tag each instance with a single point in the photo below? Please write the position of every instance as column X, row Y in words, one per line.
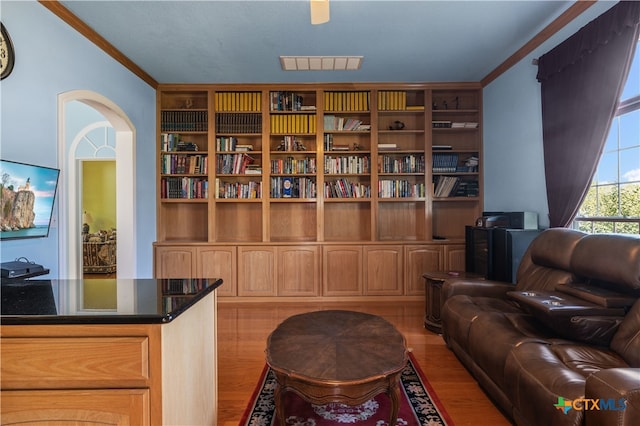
column 78, row 143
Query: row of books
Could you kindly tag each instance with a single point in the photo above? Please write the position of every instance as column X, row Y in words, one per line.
column 293, row 187
column 288, row 101
column 238, row 101
column 343, row 188
column 238, row 122
column 172, row 142
column 400, row 189
column 243, row 190
column 401, row 164
column 184, row 164
column 332, row 122
column 444, row 162
column 455, row 186
column 184, row 187
column 230, row 143
column 291, row 165
column 346, row 101
column 227, row 164
column 352, row 164
column 184, row 121
column 445, row 124
column 293, row 123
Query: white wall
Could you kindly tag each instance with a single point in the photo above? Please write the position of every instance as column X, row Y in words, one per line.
column 513, row 155
column 53, row 58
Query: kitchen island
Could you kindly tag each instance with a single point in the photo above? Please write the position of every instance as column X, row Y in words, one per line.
column 121, row 351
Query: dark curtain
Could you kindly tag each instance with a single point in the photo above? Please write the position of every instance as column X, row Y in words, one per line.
column 581, row 82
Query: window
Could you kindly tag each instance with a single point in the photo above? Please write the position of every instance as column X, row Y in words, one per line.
column 613, row 201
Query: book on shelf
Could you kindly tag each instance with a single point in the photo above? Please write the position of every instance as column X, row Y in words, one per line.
column 244, row 147
column 238, row 101
column 441, row 147
column 392, row 100
column 233, row 163
column 332, row 122
column 346, row 101
column 238, row 122
column 241, row 190
column 183, row 187
column 293, row 123
column 441, row 124
column 288, row 101
column 183, row 121
column 387, row 146
column 444, row 162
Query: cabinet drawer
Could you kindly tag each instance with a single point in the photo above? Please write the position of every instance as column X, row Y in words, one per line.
column 76, row 407
column 78, row 362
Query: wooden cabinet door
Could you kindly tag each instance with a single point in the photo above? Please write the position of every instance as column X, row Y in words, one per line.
column 175, row 262
column 256, row 271
column 76, row 407
column 382, row 269
column 342, row 270
column 298, row 271
column 219, row 262
column 454, row 257
column 419, row 259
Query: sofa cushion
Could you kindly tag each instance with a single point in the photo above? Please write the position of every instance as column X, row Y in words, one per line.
column 551, row 249
column 538, row 374
column 607, row 258
column 626, row 341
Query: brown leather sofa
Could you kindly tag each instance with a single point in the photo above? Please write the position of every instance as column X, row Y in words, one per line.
column 562, row 345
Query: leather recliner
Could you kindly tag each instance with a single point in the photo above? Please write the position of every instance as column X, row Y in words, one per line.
column 562, row 345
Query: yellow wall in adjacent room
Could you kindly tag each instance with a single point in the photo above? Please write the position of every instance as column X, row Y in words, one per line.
column 99, row 194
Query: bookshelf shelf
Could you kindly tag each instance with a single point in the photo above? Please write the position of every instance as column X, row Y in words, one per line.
column 317, row 169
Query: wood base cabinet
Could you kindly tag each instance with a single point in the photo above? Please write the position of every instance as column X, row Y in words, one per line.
column 313, row 271
column 112, row 374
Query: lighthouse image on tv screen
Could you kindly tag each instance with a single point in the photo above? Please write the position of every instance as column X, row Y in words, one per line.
column 26, row 201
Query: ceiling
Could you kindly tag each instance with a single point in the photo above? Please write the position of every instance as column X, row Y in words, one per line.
column 241, row 41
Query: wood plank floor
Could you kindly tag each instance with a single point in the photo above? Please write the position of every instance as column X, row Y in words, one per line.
column 243, row 331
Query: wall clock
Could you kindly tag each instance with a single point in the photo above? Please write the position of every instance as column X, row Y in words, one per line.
column 7, row 54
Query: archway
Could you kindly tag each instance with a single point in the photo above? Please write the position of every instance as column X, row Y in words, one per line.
column 70, row 215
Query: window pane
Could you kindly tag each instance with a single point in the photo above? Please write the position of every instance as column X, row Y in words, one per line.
column 630, row 129
column 632, row 87
column 630, row 165
column 608, row 200
column 608, row 168
column 629, row 199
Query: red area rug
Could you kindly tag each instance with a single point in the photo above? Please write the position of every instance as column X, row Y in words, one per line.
column 419, row 405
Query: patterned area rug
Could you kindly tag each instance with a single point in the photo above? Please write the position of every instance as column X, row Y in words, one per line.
column 419, row 406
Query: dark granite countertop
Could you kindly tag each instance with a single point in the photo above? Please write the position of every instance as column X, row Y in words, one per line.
column 100, row 301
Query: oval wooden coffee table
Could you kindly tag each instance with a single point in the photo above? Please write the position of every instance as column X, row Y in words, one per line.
column 337, row 356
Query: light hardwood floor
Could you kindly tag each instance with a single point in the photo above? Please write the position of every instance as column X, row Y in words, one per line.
column 243, row 331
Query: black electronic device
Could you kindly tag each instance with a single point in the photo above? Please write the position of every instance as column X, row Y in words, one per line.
column 512, row 220
column 21, row 268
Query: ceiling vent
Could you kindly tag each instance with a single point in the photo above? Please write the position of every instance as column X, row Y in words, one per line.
column 320, row 63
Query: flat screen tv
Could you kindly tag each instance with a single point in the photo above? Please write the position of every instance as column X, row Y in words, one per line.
column 28, row 193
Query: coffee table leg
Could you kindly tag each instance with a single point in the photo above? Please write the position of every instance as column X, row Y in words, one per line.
column 277, row 397
column 394, row 395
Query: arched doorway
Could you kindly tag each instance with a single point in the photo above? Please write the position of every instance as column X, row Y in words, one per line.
column 69, row 201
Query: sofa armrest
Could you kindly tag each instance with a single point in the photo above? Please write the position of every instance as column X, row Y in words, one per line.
column 475, row 287
column 614, row 387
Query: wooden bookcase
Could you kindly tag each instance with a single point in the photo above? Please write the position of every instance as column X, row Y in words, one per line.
column 336, row 176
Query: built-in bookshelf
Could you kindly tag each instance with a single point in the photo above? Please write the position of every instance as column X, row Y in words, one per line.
column 244, row 169
column 262, row 164
column 456, row 119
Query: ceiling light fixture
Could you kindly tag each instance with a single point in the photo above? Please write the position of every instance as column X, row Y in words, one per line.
column 319, row 11
column 320, row 63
